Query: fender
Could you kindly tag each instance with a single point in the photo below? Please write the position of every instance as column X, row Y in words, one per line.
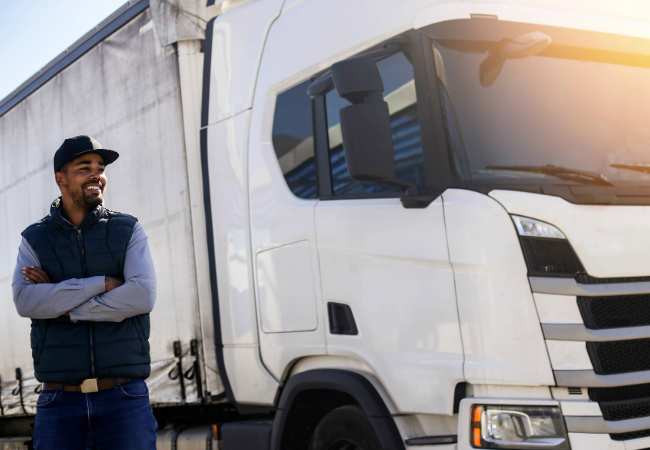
column 351, row 383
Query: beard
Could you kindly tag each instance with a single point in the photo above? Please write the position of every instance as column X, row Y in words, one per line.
column 83, row 201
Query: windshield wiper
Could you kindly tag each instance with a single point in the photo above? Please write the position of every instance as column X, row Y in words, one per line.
column 638, row 167
column 563, row 173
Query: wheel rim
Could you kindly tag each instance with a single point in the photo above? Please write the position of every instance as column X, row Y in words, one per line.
column 344, row 444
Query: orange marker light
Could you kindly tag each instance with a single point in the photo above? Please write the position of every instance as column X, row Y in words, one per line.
column 477, row 412
column 215, row 432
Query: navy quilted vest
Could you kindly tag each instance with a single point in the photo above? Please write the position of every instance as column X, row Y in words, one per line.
column 67, row 352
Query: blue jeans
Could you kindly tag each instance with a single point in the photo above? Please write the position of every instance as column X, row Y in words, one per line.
column 113, row 419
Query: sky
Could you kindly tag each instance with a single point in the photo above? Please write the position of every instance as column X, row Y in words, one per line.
column 32, row 33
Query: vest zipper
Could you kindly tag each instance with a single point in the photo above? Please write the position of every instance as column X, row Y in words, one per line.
column 80, row 240
column 92, row 351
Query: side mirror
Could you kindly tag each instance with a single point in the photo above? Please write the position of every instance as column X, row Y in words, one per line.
column 365, row 125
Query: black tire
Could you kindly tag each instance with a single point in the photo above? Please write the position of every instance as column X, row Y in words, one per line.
column 345, row 428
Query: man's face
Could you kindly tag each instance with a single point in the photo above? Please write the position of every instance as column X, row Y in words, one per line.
column 84, row 181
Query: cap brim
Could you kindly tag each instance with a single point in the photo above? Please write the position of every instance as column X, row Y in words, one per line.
column 109, row 156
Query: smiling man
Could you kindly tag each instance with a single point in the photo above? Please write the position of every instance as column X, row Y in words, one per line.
column 86, row 279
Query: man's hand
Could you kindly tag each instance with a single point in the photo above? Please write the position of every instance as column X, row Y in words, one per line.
column 35, row 275
column 111, row 283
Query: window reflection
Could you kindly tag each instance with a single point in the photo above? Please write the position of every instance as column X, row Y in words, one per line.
column 293, row 140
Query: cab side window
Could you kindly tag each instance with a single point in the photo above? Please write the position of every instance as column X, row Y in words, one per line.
column 293, row 140
column 399, row 92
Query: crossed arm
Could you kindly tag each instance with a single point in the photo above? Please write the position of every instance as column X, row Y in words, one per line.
column 36, row 275
column 104, row 299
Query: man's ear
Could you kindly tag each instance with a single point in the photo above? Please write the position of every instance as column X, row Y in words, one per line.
column 60, row 179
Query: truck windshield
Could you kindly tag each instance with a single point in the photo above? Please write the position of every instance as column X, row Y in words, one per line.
column 545, row 107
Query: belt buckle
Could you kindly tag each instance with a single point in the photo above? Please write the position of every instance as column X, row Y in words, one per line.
column 89, row 385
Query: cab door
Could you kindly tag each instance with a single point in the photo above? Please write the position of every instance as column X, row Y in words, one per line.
column 387, row 283
column 283, row 194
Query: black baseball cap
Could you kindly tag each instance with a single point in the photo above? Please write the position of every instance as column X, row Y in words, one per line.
column 80, row 145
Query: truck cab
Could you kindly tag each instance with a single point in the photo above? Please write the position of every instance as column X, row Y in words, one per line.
column 435, row 213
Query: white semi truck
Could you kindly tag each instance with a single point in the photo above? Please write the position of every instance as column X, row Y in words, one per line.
column 377, row 224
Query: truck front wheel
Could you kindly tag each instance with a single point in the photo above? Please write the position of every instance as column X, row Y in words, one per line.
column 345, row 428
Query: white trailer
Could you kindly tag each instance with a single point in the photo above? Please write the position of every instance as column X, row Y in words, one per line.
column 416, row 224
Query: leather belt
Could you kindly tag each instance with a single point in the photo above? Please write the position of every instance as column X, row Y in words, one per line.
column 88, row 386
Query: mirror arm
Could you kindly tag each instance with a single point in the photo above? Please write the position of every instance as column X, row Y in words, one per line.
column 321, row 85
column 417, row 201
column 413, row 197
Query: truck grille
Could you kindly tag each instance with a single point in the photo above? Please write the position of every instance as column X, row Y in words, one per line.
column 637, row 391
column 550, row 257
column 630, row 435
column 625, row 402
column 615, row 312
column 622, row 403
column 626, row 410
column 584, row 278
column 619, row 356
column 557, row 258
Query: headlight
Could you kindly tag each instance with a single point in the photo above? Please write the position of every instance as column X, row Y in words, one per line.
column 520, row 427
column 536, row 228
